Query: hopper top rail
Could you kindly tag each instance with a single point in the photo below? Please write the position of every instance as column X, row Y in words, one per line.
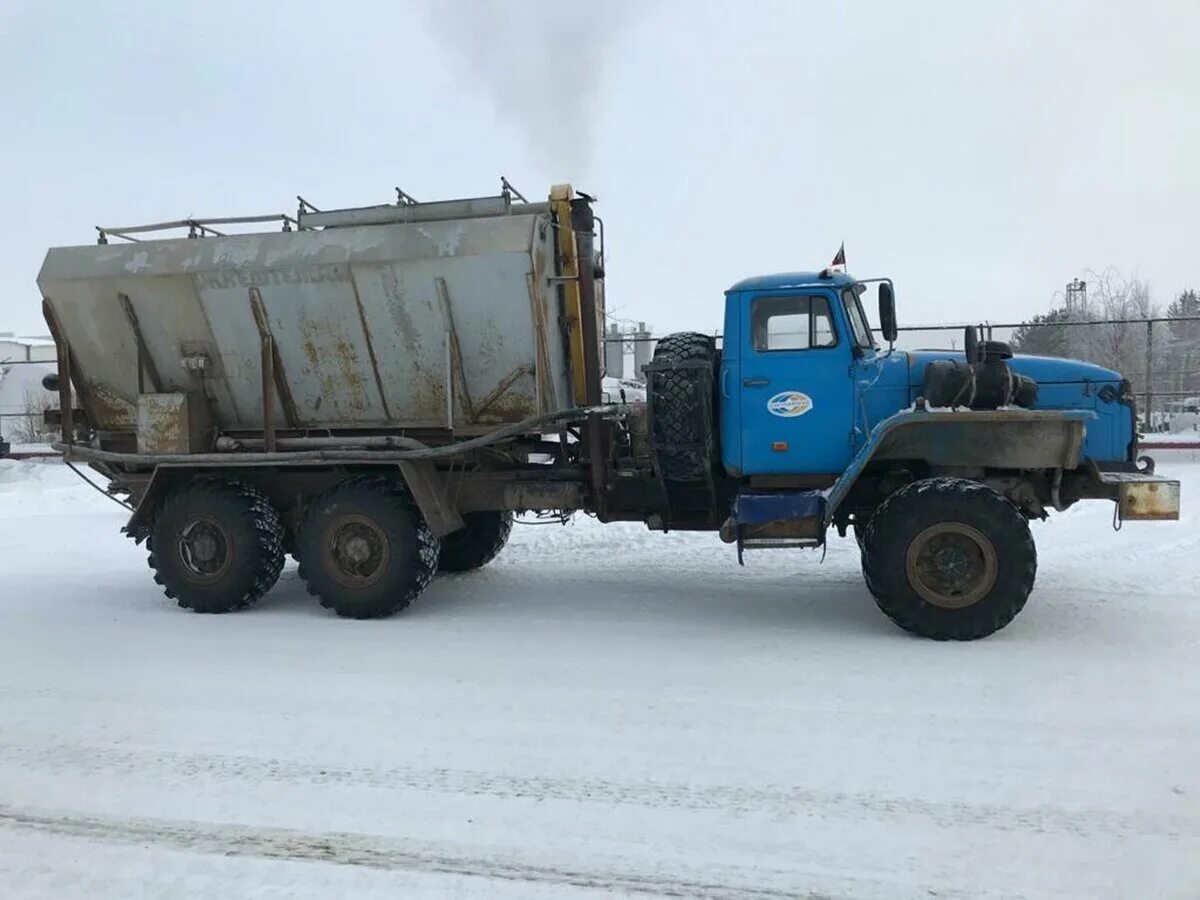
column 196, row 227
column 309, row 217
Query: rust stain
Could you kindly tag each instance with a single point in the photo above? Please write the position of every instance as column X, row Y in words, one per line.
column 537, row 306
column 333, row 361
column 278, row 375
column 346, row 356
column 362, row 317
column 423, row 388
column 430, row 401
column 501, row 389
column 221, row 373
column 111, row 410
column 1152, row 501
column 162, row 425
column 310, row 353
column 397, row 307
column 463, row 393
column 146, row 367
column 513, row 406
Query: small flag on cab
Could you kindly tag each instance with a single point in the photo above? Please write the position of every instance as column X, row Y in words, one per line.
column 839, row 259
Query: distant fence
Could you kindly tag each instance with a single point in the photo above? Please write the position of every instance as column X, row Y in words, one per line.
column 1159, row 356
column 24, row 428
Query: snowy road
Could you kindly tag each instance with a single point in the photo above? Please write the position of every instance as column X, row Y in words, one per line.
column 603, row 711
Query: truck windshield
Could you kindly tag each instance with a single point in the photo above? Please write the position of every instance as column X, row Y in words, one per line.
column 858, row 318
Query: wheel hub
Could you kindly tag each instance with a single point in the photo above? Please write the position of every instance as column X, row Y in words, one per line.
column 951, row 565
column 356, row 550
column 204, row 548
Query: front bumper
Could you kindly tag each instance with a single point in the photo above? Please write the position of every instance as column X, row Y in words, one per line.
column 1143, row 497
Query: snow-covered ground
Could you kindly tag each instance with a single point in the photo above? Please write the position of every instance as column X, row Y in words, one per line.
column 603, row 711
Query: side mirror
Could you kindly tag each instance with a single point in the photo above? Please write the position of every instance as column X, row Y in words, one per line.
column 887, row 311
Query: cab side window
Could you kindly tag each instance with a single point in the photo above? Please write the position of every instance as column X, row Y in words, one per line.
column 791, row 323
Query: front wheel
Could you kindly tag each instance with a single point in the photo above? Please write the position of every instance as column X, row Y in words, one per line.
column 949, row 559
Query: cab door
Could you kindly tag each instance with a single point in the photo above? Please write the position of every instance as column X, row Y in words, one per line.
column 796, row 390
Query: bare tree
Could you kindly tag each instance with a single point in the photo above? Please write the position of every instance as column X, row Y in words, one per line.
column 30, row 428
column 1117, row 343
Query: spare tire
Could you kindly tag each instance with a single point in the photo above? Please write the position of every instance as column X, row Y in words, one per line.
column 995, row 384
column 679, row 381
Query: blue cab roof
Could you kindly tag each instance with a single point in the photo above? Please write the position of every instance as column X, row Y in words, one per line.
column 791, row 280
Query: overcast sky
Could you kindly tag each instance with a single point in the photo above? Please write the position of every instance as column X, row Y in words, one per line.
column 981, row 154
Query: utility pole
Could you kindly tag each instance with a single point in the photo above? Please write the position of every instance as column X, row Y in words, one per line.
column 1077, row 299
column 1077, row 311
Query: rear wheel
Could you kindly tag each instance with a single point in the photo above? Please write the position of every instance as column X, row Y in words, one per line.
column 365, row 549
column 949, row 559
column 476, row 544
column 216, row 546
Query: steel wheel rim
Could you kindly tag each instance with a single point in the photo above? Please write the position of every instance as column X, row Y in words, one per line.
column 205, row 549
column 951, row 565
column 356, row 550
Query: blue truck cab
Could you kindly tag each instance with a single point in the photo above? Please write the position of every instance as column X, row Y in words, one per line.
column 803, row 381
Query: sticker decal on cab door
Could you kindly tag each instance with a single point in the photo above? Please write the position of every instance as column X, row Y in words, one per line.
column 789, row 404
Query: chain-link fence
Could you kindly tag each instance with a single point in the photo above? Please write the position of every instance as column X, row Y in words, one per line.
column 1159, row 356
column 26, row 428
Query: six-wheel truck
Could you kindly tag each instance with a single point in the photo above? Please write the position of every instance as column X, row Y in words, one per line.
column 378, row 390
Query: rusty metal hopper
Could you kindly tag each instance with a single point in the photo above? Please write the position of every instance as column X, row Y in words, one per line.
column 434, row 318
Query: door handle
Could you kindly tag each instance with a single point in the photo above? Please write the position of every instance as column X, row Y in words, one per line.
column 755, row 382
column 724, row 382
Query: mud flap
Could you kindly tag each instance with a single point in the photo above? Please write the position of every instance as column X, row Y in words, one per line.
column 427, row 487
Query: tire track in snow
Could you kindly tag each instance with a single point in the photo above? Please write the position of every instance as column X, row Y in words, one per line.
column 735, row 799
column 370, row 851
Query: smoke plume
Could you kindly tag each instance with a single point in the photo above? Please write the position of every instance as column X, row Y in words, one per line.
column 541, row 64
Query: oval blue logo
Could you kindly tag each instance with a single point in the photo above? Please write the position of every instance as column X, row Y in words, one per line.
column 789, row 404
